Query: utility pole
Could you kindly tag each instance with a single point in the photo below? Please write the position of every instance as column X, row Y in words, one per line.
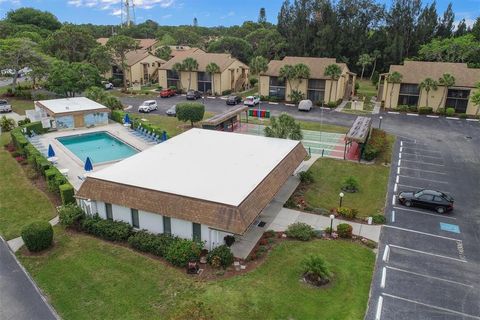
column 127, row 6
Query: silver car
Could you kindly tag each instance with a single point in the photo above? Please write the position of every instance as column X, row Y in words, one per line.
column 172, row 111
column 4, row 106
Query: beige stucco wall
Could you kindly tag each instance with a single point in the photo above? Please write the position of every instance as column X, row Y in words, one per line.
column 471, row 107
column 388, row 91
column 135, row 72
column 263, row 85
column 226, row 82
column 162, row 78
column 434, row 98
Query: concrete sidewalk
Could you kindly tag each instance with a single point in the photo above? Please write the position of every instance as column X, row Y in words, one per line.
column 286, row 217
column 17, row 243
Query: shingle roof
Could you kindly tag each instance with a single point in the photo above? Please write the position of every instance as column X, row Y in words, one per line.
column 416, row 71
column 135, row 56
column 316, row 65
column 223, row 60
column 197, row 194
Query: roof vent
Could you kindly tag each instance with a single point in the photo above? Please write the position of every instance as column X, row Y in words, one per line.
column 67, row 108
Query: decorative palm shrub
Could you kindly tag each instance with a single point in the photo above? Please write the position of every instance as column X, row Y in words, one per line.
column 350, row 184
column 37, row 236
column 300, row 231
column 315, row 270
column 220, row 256
column 306, row 177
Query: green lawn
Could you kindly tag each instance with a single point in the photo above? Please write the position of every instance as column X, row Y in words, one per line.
column 20, row 201
column 329, row 175
column 171, row 124
column 19, row 105
column 86, row 278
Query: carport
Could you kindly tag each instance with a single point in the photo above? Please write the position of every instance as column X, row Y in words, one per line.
column 226, row 121
column 356, row 138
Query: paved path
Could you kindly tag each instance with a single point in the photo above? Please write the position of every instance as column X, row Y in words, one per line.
column 341, row 106
column 376, row 107
column 20, row 298
column 13, row 115
column 288, row 216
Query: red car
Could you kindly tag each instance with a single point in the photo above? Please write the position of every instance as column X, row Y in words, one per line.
column 166, row 93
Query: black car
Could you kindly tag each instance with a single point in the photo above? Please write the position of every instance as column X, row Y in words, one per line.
column 193, row 95
column 428, row 199
column 233, row 100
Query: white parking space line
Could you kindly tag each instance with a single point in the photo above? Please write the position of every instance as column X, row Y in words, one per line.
column 420, row 155
column 428, row 171
column 398, row 170
column 401, row 143
column 397, row 179
column 395, row 187
column 452, row 118
column 401, row 149
column 431, row 306
column 423, row 162
column 423, row 149
column 474, row 120
column 430, row 180
column 417, row 187
column 211, row 97
column 428, row 276
column 393, row 200
column 393, row 112
column 434, row 117
column 399, row 162
column 412, row 114
column 386, row 253
column 393, row 216
column 378, row 314
column 425, row 213
column 421, row 232
column 384, row 278
column 272, row 102
column 290, row 104
column 427, row 253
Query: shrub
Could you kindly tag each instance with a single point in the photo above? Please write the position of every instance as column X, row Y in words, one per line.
column 347, row 213
column 463, row 116
column 107, row 229
column 182, row 251
column 306, row 177
column 344, row 230
column 412, row 108
column 331, row 105
column 379, row 219
column 7, row 124
column 350, row 184
column 190, row 111
column 300, row 231
column 441, row 111
column 71, row 215
column 67, row 193
column 450, row 112
column 226, row 92
column 117, row 82
column 315, row 270
column 264, row 98
column 375, row 145
column 31, row 173
column 223, row 254
column 425, row 110
column 156, row 244
column 37, row 236
column 328, row 230
column 229, row 240
column 253, row 81
column 357, row 86
column 270, row 234
column 295, row 96
column 23, row 122
column 402, row 108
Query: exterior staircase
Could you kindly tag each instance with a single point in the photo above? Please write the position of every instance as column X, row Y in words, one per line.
column 239, row 84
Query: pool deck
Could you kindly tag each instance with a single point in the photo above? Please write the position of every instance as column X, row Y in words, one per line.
column 67, row 160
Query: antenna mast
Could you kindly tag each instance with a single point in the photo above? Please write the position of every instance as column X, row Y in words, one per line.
column 127, row 6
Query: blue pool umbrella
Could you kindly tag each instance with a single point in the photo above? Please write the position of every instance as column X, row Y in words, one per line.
column 88, row 164
column 51, row 152
column 126, row 119
column 164, row 136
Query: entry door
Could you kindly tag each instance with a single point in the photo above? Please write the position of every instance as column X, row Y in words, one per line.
column 78, row 121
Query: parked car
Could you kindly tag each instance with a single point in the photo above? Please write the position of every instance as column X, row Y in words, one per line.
column 251, row 101
column 305, row 105
column 193, row 95
column 428, row 199
column 167, row 93
column 107, row 85
column 172, row 111
column 148, row 106
column 233, row 100
column 4, row 106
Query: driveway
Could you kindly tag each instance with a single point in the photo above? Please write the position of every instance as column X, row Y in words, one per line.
column 20, row 298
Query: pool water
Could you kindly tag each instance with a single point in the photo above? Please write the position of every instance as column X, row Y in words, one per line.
column 99, row 146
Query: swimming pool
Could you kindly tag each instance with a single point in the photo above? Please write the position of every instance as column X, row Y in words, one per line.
column 99, row 146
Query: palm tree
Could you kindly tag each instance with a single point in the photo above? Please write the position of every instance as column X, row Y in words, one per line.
column 394, row 77
column 302, row 71
column 190, row 64
column 364, row 60
column 178, row 68
column 212, row 68
column 447, row 81
column 284, row 127
column 334, row 72
column 287, row 72
column 375, row 56
column 476, row 98
column 258, row 65
column 428, row 85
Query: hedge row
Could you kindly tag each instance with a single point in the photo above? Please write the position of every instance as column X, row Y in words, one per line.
column 55, row 180
column 118, row 116
column 375, row 144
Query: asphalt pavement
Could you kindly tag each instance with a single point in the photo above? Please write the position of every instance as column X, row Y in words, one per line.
column 20, row 299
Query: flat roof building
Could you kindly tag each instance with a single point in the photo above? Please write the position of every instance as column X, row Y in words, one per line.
column 201, row 184
column 70, row 113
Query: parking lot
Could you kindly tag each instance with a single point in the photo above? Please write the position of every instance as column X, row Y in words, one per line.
column 428, row 264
